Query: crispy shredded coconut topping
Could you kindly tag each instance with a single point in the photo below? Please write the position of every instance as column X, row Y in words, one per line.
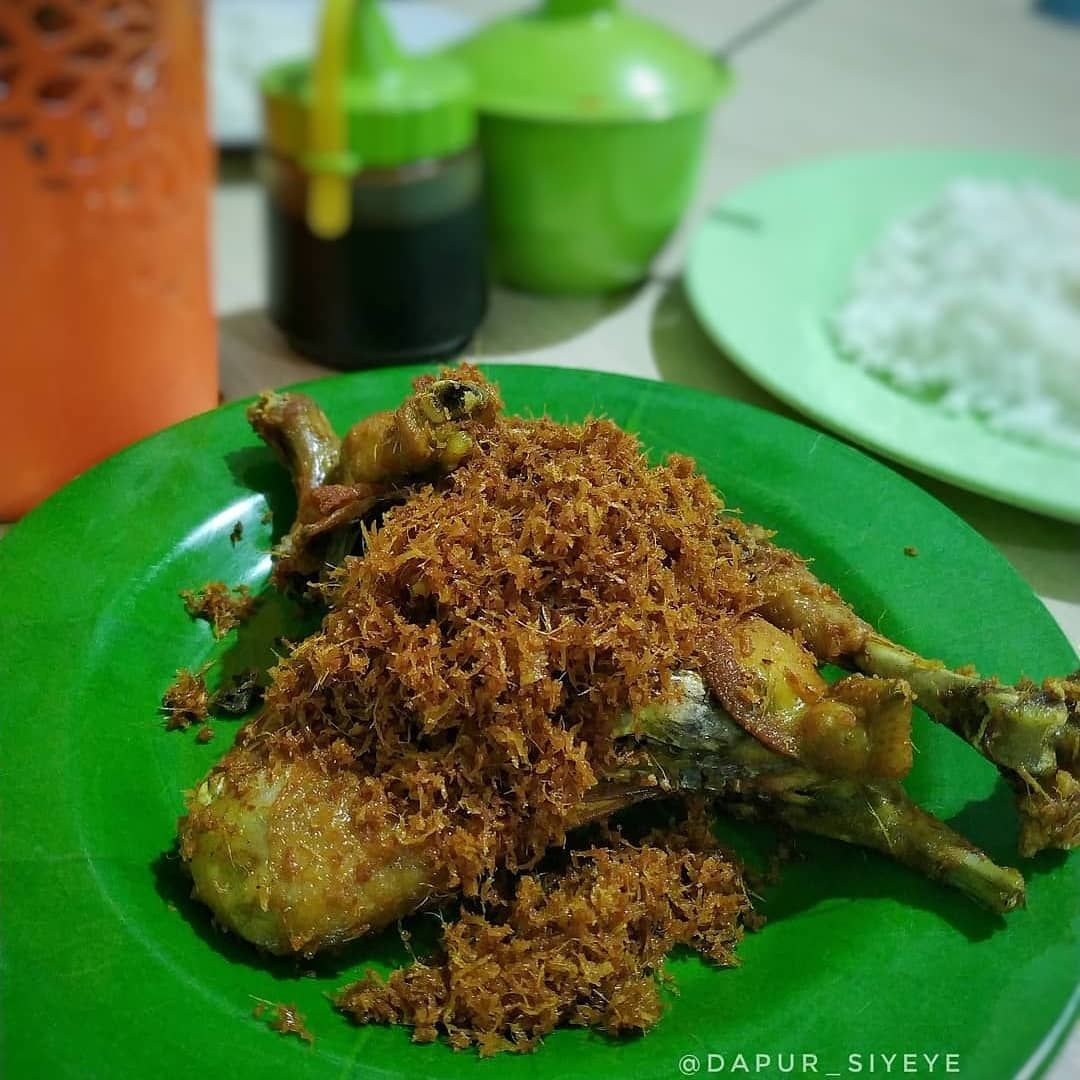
column 223, row 608
column 586, row 950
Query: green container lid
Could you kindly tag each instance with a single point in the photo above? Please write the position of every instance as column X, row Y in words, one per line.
column 363, row 103
column 588, row 60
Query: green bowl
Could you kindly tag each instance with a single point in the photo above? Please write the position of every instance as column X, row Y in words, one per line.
column 583, row 207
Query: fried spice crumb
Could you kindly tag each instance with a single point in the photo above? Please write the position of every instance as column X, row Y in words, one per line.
column 223, row 608
column 204, row 734
column 267, row 516
column 584, row 949
column 284, row 1019
column 911, row 552
column 237, row 533
column 187, row 701
column 236, row 696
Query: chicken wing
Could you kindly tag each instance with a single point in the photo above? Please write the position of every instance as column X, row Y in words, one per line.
column 339, row 482
column 1031, row 733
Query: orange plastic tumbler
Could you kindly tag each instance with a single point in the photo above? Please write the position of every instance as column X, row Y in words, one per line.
column 105, row 167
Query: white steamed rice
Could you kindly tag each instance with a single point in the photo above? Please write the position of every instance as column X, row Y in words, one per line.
column 975, row 299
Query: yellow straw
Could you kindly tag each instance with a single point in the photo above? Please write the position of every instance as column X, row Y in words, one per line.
column 329, row 193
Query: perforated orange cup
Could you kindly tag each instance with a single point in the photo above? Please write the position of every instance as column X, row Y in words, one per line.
column 105, row 168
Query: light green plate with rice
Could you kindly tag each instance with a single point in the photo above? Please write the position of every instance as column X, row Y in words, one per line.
column 773, row 263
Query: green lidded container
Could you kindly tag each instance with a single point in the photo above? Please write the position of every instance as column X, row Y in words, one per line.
column 592, row 124
column 377, row 249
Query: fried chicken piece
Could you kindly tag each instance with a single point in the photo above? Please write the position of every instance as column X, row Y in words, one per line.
column 277, row 849
column 424, row 434
column 1031, row 733
column 301, row 436
column 769, row 683
column 293, row 848
column 792, row 598
column 695, row 746
column 339, row 482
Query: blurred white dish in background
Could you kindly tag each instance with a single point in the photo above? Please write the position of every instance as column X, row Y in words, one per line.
column 974, row 299
column 246, row 36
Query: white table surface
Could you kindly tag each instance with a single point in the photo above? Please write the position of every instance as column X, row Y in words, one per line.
column 838, row 76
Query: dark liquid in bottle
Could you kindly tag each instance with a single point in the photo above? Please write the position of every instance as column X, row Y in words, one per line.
column 380, row 294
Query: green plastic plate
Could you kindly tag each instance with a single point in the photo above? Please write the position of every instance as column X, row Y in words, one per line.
column 773, row 262
column 110, row 970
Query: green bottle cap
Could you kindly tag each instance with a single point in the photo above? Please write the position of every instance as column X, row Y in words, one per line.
column 362, row 103
column 588, row 60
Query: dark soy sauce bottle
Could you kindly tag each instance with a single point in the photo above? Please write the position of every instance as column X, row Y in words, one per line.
column 374, row 201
